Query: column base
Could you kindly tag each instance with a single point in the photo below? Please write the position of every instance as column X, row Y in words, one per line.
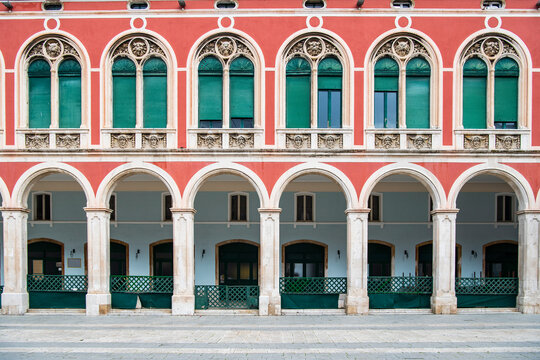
column 525, row 304
column 183, row 304
column 15, row 303
column 98, row 304
column 444, row 305
column 357, row 305
column 269, row 305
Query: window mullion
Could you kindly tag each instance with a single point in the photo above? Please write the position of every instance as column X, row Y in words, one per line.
column 55, row 103
column 226, row 96
column 314, row 94
column 490, row 103
column 402, row 124
column 139, row 98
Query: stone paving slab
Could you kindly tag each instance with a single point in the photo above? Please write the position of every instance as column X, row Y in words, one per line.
column 388, row 336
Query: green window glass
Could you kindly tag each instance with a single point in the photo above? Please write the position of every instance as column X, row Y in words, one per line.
column 298, row 93
column 69, row 92
column 329, row 93
column 417, row 93
column 386, row 93
column 210, row 93
column 474, row 94
column 124, row 93
column 39, row 94
column 241, row 95
column 155, row 93
column 506, row 93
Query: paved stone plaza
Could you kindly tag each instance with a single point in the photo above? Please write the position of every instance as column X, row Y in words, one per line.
column 389, row 336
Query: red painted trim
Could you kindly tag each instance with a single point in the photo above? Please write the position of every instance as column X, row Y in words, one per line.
column 182, row 172
column 447, row 120
column 358, row 110
column 181, row 125
column 95, row 104
column 11, row 172
column 531, row 172
column 269, row 172
column 358, row 173
column 271, row 118
column 10, row 109
column 447, row 173
column 535, row 126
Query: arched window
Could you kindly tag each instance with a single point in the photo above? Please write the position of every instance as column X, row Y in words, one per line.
column 492, row 84
column 54, row 84
column 386, row 93
column 140, row 84
column 226, row 68
column 417, row 85
column 298, row 93
column 329, row 96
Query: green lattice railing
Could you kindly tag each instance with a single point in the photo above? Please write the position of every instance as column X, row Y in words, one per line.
column 226, row 297
column 400, row 285
column 487, row 286
column 313, row 285
column 57, row 283
column 142, row 284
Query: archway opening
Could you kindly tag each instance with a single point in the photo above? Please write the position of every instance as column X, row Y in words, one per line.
column 380, row 258
column 238, row 264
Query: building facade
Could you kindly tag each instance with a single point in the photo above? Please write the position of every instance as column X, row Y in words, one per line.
column 270, row 155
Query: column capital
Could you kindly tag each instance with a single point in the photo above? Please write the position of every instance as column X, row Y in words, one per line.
column 269, row 210
column 183, row 210
column 97, row 209
column 20, row 209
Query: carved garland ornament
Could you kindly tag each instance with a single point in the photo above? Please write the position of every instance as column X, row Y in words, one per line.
column 298, row 141
column 138, row 49
column 387, row 141
column 154, row 141
column 225, row 47
column 402, row 48
column 507, row 142
column 476, row 142
column 123, row 141
column 209, row 141
column 37, row 141
column 68, row 141
column 419, row 142
column 491, row 48
column 312, row 47
column 241, row 141
column 330, row 141
column 54, row 49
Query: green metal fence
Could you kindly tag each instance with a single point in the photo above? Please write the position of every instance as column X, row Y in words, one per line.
column 400, row 285
column 313, row 285
column 486, row 292
column 57, row 291
column 226, row 297
column 136, row 284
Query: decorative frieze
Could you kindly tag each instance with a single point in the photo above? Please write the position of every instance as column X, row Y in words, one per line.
column 476, row 142
column 36, row 141
column 241, row 141
column 138, row 48
column 402, row 48
column 209, row 141
column 387, row 141
column 330, row 141
column 225, row 47
column 491, row 48
column 123, row 141
column 507, row 142
column 53, row 49
column 313, row 48
column 68, row 141
column 298, row 141
column 419, row 142
column 154, row 141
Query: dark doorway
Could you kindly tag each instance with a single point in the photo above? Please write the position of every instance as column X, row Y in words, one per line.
column 304, row 260
column 162, row 258
column 379, row 259
column 118, row 258
column 45, row 258
column 424, row 258
column 501, row 260
column 238, row 264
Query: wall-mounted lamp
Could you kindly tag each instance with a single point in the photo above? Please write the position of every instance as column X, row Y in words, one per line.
column 182, row 4
column 137, row 253
column 474, row 254
column 406, row 253
column 72, row 252
column 8, row 5
column 339, row 254
column 359, row 4
column 203, row 252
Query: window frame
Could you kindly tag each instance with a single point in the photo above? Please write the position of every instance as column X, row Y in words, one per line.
column 34, row 206
column 489, row 7
column 513, row 208
column 164, row 210
column 313, row 207
column 399, row 4
column 370, row 203
column 229, row 207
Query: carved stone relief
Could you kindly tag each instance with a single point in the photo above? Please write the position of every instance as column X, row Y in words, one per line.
column 138, row 49
column 419, row 142
column 387, row 141
column 476, row 142
column 154, row 141
column 225, row 47
column 490, row 47
column 68, row 141
column 123, row 141
column 507, row 142
column 402, row 48
column 209, row 141
column 330, row 141
column 313, row 47
column 241, row 141
column 52, row 48
column 37, row 141
column 298, row 141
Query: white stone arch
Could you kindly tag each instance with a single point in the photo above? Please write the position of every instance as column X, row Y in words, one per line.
column 326, row 170
column 433, row 57
column 346, row 58
column 109, row 182
column 524, row 61
column 106, row 76
column 21, row 86
column 193, row 81
column 4, row 193
column 22, row 188
column 421, row 174
column 196, row 181
column 538, row 200
column 513, row 178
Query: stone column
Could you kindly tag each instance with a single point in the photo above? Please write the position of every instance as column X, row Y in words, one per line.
column 183, row 300
column 528, row 300
column 269, row 296
column 98, row 298
column 15, row 296
column 443, row 300
column 357, row 301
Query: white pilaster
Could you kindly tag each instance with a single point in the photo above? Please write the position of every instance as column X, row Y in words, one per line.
column 183, row 300
column 98, row 298
column 269, row 297
column 528, row 300
column 15, row 296
column 357, row 301
column 443, row 300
